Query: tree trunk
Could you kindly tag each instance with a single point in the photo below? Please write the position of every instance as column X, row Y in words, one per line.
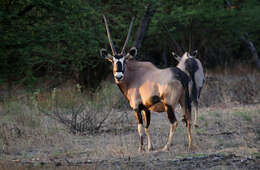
column 253, row 51
column 164, row 58
column 228, row 4
column 249, row 44
column 143, row 27
column 179, row 50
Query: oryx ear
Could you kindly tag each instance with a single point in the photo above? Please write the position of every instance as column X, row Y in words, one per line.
column 194, row 53
column 133, row 52
column 104, row 54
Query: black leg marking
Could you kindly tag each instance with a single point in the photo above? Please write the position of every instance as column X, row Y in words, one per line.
column 170, row 114
column 138, row 116
column 147, row 117
column 141, row 141
column 139, row 119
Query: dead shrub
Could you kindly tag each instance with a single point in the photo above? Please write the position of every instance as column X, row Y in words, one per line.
column 79, row 112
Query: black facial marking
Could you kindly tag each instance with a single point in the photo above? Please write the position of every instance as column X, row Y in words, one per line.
column 119, row 67
column 118, row 56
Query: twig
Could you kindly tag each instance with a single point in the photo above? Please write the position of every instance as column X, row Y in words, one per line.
column 217, row 134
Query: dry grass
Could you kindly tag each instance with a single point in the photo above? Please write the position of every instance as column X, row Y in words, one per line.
column 25, row 132
column 229, row 124
column 222, row 130
column 30, row 128
column 230, row 88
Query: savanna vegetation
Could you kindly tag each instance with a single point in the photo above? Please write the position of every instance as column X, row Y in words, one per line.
column 61, row 39
column 59, row 108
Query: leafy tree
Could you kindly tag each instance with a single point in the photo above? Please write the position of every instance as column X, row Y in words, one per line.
column 61, row 38
column 48, row 37
column 210, row 26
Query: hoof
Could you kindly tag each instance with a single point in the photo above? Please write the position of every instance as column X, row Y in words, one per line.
column 185, row 121
column 140, row 149
column 191, row 148
column 165, row 149
column 149, row 149
column 195, row 125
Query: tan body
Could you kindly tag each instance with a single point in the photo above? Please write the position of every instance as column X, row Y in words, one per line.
column 146, row 81
column 142, row 81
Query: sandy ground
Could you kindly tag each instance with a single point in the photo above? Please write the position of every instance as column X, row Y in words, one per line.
column 228, row 137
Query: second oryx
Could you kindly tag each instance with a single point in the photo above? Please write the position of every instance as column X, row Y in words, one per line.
column 193, row 67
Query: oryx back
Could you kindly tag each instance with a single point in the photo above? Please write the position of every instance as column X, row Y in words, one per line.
column 194, row 69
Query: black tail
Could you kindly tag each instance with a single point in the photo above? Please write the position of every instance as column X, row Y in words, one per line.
column 194, row 92
column 184, row 79
column 191, row 66
column 187, row 98
column 187, row 102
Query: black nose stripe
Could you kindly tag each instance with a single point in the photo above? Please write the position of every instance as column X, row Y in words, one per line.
column 119, row 67
column 118, row 56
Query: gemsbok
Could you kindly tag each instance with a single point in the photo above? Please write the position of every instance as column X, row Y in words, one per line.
column 193, row 67
column 148, row 88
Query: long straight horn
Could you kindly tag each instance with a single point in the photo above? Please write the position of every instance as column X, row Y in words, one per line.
column 109, row 37
column 128, row 35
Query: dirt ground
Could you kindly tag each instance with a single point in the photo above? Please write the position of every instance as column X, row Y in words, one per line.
column 228, row 137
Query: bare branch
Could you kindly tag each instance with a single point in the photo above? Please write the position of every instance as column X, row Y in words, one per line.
column 143, row 27
column 253, row 51
column 228, row 3
column 25, row 10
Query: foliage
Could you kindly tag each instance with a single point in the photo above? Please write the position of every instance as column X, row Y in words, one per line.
column 54, row 37
column 212, row 27
column 62, row 38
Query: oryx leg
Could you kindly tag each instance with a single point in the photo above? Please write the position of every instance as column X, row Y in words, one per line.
column 147, row 118
column 186, row 118
column 189, row 132
column 173, row 125
column 139, row 119
column 196, row 114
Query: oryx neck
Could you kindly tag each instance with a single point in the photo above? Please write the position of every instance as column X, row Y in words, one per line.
column 139, row 66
